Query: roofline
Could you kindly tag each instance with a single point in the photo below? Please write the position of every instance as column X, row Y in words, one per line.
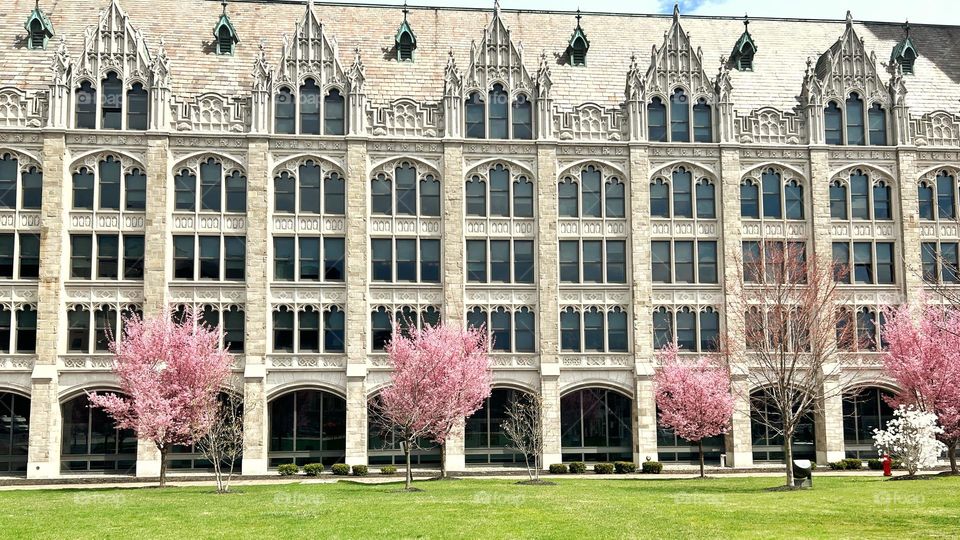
column 573, row 13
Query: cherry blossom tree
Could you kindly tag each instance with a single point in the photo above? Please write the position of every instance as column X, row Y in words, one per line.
column 693, row 397
column 441, row 375
column 911, row 437
column 170, row 373
column 923, row 358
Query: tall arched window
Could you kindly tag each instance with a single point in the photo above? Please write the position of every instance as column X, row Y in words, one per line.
column 568, row 196
column 86, row 107
column 706, row 199
column 925, row 200
column 833, row 123
column 749, row 200
column 864, row 410
column 476, row 116
column 307, row 426
column 334, row 114
column 946, row 199
column 877, row 118
column 859, row 195
column 590, row 186
column 793, row 194
column 614, row 198
column 92, row 442
column 702, row 122
column 679, row 116
column 137, row 107
column 111, row 106
column 657, row 120
column 15, row 435
column 766, row 428
column 405, row 47
column 660, row 198
column 497, row 105
column 838, row 200
column 855, row 133
column 381, row 195
column 310, row 108
column 771, row 194
column 476, row 195
column 596, row 425
column 285, row 112
column 682, row 193
column 522, row 117
column 578, row 52
column 484, row 439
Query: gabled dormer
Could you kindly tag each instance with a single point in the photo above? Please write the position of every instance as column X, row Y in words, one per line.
column 578, row 46
column 905, row 53
column 741, row 59
column 405, row 40
column 39, row 28
column 224, row 33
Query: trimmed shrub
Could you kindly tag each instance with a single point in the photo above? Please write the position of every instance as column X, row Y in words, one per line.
column 578, row 467
column 360, row 470
column 603, row 468
column 625, row 467
column 838, row 465
column 558, row 468
column 288, row 469
column 651, row 467
column 875, row 464
column 388, row 469
column 854, row 464
column 340, row 469
column 313, row 469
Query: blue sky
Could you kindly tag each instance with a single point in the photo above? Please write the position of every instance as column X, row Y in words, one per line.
column 921, row 11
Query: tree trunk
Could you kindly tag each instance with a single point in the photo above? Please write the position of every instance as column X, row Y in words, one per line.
column 163, row 466
column 700, row 446
column 409, row 480
column 788, row 457
column 952, row 452
column 218, row 475
column 443, row 460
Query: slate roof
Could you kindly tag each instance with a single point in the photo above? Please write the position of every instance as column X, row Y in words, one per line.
column 187, row 27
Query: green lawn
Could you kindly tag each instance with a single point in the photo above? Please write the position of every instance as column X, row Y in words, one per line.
column 858, row 507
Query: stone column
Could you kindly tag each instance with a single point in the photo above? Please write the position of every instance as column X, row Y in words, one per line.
column 820, row 234
column 156, row 262
column 645, row 408
column 828, row 419
column 739, row 441
column 357, row 309
column 909, row 224
column 454, row 307
column 548, row 295
column 43, row 460
column 255, row 309
column 739, row 451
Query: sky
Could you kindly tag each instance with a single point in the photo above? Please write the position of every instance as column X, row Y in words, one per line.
column 919, row 11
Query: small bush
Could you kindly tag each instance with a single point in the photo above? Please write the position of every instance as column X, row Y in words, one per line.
column 854, row 464
column 288, row 469
column 625, row 467
column 875, row 464
column 578, row 467
column 388, row 469
column 603, row 468
column 838, row 465
column 340, row 469
column 651, row 467
column 558, row 468
column 313, row 469
column 360, row 470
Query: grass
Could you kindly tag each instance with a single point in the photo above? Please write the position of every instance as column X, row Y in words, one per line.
column 861, row 507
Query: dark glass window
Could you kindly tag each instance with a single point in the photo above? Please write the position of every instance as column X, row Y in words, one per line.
column 855, row 133
column 310, row 177
column 333, row 259
column 771, row 194
column 949, row 262
column 614, row 204
column 83, row 189
column 707, row 261
column 500, row 261
column 885, row 263
column 135, row 188
column 333, row 330
column 430, row 261
column 81, row 256
column 86, row 96
column 752, row 262
column 138, row 107
column 32, row 185
column 682, row 193
column 29, row 256
column 749, row 200
column 26, row 338
column 309, row 260
column 793, row 193
column 860, row 195
column 882, row 209
column 524, row 331
column 78, row 330
column 429, row 196
column 838, row 201
column 333, row 196
column 284, row 259
column 211, row 184
column 702, row 122
column 284, row 193
column 616, row 261
column 308, row 328
column 709, row 329
column 945, row 196
column 570, row 261
column 833, row 123
column 569, row 330
column 184, row 190
column 133, row 256
column 841, row 262
column 660, row 257
column 105, row 322
column 111, row 106
column 235, row 257
column 476, row 197
column 476, row 116
column 334, row 114
column 283, row 330
column 593, row 330
column 7, row 258
column 382, row 329
column 406, row 260
column 285, row 112
column 523, row 261
column 687, row 329
column 310, row 108
column 499, row 191
column 497, row 105
column 683, row 262
column 657, row 120
column 183, row 257
column 236, row 185
column 590, row 187
column 477, row 261
column 109, row 183
column 567, row 194
column 522, row 118
column 501, row 330
column 108, row 251
column 209, row 257
column 522, row 198
column 592, row 261
column 233, row 329
column 706, row 200
column 406, row 177
column 863, row 262
column 662, row 328
column 679, row 116
column 877, row 118
column 617, row 340
column 381, row 259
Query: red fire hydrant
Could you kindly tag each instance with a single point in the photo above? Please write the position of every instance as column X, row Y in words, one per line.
column 887, row 466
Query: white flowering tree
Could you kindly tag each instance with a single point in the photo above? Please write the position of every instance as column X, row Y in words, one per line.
column 911, row 437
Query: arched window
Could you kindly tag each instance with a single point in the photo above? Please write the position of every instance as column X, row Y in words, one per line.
column 578, row 52
column 497, row 104
column 568, row 196
column 12, row 179
column 135, row 190
column 767, row 431
column 662, row 328
column 109, row 170
column 184, row 190
column 749, row 200
column 309, row 108
column 702, row 122
column 285, row 112
column 908, row 60
column 484, row 439
column 476, row 197
column 382, row 329
column 224, row 40
column 793, row 193
column 864, row 411
column 15, row 437
column 833, row 123
column 381, row 193
column 86, row 107
column 660, row 198
column 475, row 116
column 334, row 114
column 92, row 442
column 617, row 336
column 882, row 208
column 501, row 330
column 855, row 134
column 310, row 192
column 590, row 187
column 657, row 120
column 522, row 117
column 866, row 330
column 405, row 47
column 499, row 191
column 946, row 198
column 706, row 199
column 614, row 199
column 859, row 195
column 522, row 197
column 679, row 116
column 429, row 196
column 283, row 328
column 596, row 425
column 406, row 188
column 334, row 192
column 111, row 106
column 878, row 125
column 211, row 184
column 687, row 329
column 236, row 192
column 838, row 200
column 925, row 200
column 334, row 338
column 569, row 330
column 307, row 426
column 682, row 193
column 38, row 34
column 284, row 193
column 137, row 107
column 771, row 182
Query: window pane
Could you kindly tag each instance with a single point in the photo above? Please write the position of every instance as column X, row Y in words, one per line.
column 657, row 120
column 333, row 331
column 381, row 259
column 859, row 195
column 523, row 261
column 283, row 330
column 881, row 201
column 497, row 105
column 660, row 199
column 838, row 201
column 833, row 124
column 235, row 259
column 590, row 184
column 333, row 254
column 925, row 198
column 749, row 200
column 855, row 133
column 309, row 330
column 476, row 117
column 430, row 261
column 794, row 200
column 593, row 330
column 184, row 186
column 616, row 261
column 687, row 330
column 209, row 257
column 309, row 259
column 679, row 117
column 310, row 108
column 83, row 189
column 499, row 192
column 32, row 189
column 29, row 256
column 706, row 203
column 707, row 261
column 109, row 184
column 333, row 114
column 285, row 112
column 429, row 197
column 615, row 204
column 236, row 192
column 136, row 190
column 477, row 261
column 310, row 174
column 841, row 262
column 945, row 196
column 683, row 252
column 500, row 261
column 81, row 255
column 133, row 256
column 569, row 331
column 522, row 198
column 285, row 193
column 211, row 182
column 661, row 261
column 522, row 118
column 406, row 177
column 283, row 259
column 476, row 197
column 702, row 122
column 406, row 260
column 107, row 255
column 863, row 262
column 771, row 195
column 662, row 328
column 333, row 194
column 709, row 330
column 524, row 331
column 617, row 331
column 885, row 262
column 183, row 247
column 500, row 329
column 682, row 195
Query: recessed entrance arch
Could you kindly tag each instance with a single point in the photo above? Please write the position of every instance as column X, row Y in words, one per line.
column 307, row 426
column 596, row 424
column 91, row 441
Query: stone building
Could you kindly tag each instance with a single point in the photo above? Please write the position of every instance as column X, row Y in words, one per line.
column 583, row 185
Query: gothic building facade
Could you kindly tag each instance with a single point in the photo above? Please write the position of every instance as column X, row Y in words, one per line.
column 303, row 173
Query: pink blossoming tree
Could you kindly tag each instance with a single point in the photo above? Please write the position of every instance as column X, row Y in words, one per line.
column 441, row 375
column 169, row 374
column 923, row 358
column 693, row 397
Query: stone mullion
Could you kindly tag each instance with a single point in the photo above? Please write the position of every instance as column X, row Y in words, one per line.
column 738, row 440
column 548, row 306
column 357, row 309
column 43, row 460
column 644, row 410
column 910, row 241
column 454, row 306
column 256, row 308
